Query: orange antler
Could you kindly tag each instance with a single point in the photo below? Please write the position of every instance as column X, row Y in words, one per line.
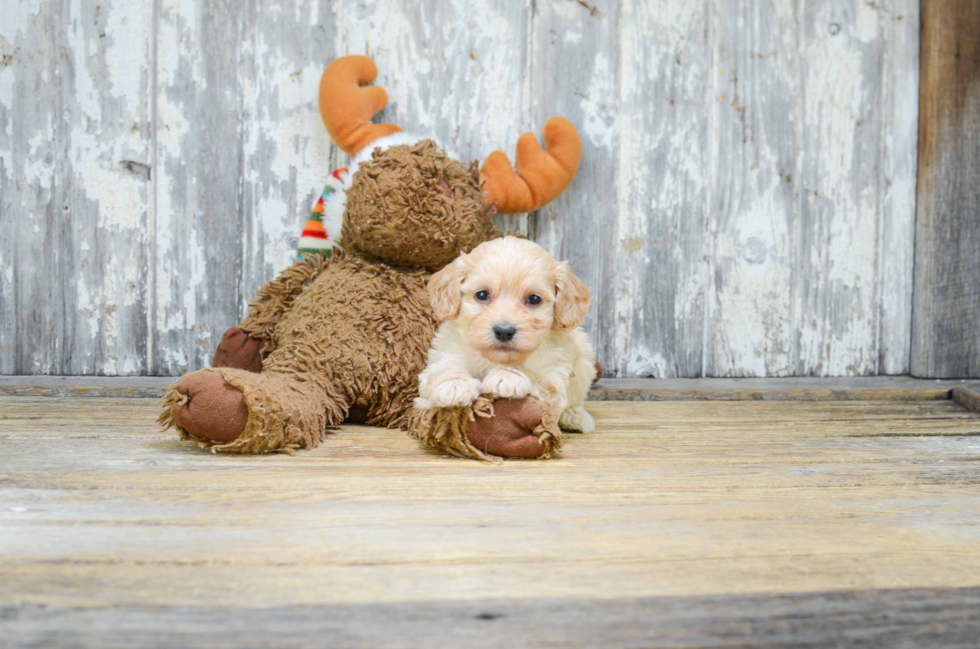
column 347, row 106
column 541, row 174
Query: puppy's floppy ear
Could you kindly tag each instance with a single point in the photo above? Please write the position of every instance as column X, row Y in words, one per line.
column 572, row 304
column 444, row 290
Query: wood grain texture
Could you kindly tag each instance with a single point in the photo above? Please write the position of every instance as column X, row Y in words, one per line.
column 75, row 198
column 109, row 526
column 968, row 397
column 947, row 236
column 862, row 388
column 456, row 71
column 744, row 207
column 813, row 159
column 939, row 618
column 662, row 219
column 241, row 154
column 572, row 72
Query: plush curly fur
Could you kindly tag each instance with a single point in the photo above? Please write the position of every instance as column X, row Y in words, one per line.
column 355, row 335
column 415, row 206
column 352, row 331
column 446, row 430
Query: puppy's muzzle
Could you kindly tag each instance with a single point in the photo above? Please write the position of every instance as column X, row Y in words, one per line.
column 504, row 332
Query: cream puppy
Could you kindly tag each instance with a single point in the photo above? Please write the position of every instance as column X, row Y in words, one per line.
column 510, row 315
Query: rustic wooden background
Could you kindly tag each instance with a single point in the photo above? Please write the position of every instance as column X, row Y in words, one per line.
column 745, row 207
column 946, row 307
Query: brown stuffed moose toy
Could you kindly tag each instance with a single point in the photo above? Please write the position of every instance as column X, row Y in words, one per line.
column 343, row 337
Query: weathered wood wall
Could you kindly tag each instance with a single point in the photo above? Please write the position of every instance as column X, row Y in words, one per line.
column 947, row 243
column 745, row 206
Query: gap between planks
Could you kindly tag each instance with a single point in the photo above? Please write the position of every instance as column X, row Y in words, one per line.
column 879, row 388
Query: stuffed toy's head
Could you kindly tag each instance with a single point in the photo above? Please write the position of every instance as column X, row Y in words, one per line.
column 411, row 204
column 404, row 200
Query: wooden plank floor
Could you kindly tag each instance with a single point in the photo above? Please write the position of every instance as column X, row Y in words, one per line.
column 677, row 524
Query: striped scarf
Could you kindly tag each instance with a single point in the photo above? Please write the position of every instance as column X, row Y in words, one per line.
column 315, row 240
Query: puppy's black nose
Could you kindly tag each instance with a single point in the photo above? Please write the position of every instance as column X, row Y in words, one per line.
column 504, row 333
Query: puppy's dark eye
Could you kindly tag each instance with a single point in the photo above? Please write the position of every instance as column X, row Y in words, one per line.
column 482, row 296
column 533, row 300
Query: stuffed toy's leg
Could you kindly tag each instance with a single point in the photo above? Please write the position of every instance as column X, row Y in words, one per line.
column 226, row 407
column 238, row 411
column 489, row 430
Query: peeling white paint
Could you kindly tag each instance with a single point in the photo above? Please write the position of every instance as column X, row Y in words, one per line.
column 600, row 124
column 745, row 204
column 16, row 16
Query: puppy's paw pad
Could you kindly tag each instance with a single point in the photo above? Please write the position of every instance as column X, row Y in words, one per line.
column 455, row 392
column 507, row 385
column 577, row 418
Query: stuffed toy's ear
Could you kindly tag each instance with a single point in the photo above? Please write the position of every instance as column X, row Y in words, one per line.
column 572, row 304
column 444, row 291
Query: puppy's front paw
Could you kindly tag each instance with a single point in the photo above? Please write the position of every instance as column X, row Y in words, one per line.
column 577, row 418
column 507, row 384
column 455, row 392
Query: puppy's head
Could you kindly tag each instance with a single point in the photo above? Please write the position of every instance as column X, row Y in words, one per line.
column 506, row 295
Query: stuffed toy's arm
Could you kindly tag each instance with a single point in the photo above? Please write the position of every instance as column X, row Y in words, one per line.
column 320, row 234
column 276, row 297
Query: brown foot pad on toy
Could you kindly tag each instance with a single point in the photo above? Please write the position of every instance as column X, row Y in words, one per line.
column 489, row 430
column 208, row 408
column 507, row 432
column 239, row 350
column 228, row 410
